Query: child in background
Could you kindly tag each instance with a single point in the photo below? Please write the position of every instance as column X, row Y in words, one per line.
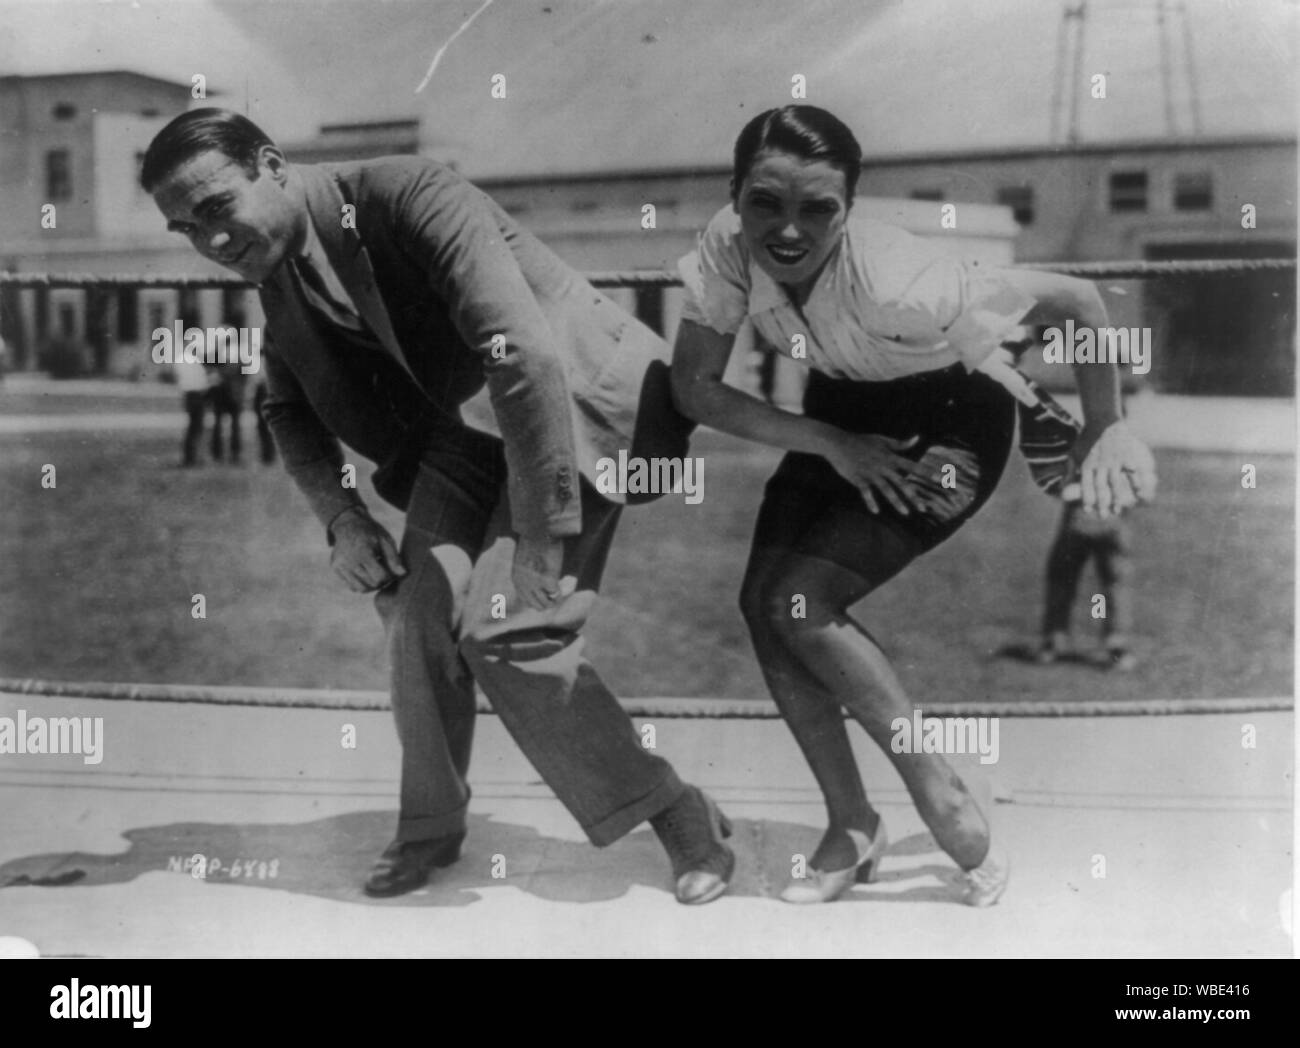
column 1079, row 538
column 1047, row 435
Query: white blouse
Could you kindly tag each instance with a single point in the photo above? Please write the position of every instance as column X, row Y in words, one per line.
column 886, row 305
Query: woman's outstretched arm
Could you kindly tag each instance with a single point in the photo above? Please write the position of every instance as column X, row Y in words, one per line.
column 1117, row 469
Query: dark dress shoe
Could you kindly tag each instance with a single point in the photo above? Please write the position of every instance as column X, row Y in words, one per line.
column 406, row 865
column 691, row 830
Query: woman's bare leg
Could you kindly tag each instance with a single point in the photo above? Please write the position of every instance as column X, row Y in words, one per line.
column 823, row 656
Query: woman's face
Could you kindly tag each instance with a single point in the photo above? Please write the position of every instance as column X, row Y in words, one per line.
column 792, row 213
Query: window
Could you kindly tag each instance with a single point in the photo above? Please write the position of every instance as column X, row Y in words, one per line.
column 67, row 320
column 1193, row 192
column 232, row 306
column 128, row 320
column 1128, row 191
column 65, row 111
column 927, row 194
column 58, row 175
column 1021, row 201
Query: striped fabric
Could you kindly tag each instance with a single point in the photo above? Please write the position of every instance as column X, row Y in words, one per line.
column 1047, row 435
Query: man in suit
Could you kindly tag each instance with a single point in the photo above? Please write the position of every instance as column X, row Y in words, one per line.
column 393, row 292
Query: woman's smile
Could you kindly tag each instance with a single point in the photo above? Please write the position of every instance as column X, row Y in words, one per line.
column 787, row 255
column 792, row 215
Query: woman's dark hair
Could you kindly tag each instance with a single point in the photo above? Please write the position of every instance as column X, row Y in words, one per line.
column 803, row 131
column 196, row 132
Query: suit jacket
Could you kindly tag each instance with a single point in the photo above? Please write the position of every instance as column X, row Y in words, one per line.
column 458, row 295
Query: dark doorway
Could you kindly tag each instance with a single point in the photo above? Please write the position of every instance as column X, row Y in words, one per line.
column 1225, row 334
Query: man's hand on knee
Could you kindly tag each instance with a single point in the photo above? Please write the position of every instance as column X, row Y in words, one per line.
column 365, row 556
column 536, row 572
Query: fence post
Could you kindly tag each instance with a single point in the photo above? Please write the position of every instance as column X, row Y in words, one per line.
column 97, row 330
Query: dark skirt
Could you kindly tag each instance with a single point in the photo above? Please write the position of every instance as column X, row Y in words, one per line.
column 964, row 421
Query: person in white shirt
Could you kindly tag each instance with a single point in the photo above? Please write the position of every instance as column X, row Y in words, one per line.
column 908, row 420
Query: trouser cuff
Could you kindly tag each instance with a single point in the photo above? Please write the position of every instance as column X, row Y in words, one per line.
column 427, row 827
column 622, row 822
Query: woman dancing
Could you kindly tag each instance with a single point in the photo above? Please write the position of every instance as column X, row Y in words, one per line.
column 908, row 420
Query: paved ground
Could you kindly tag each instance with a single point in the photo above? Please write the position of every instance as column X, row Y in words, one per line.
column 1130, row 836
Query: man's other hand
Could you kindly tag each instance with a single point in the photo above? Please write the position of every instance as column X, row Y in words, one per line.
column 536, row 571
column 364, row 556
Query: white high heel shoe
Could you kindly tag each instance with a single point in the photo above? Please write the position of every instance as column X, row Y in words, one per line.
column 825, row 885
column 984, row 885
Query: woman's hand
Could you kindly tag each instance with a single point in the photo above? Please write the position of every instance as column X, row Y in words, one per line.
column 873, row 464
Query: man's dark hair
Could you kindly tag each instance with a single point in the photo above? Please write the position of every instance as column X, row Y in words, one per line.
column 196, row 132
column 807, row 132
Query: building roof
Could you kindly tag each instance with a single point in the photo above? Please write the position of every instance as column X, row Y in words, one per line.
column 596, row 86
column 80, row 73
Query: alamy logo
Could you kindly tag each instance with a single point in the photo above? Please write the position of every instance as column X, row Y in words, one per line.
column 946, row 735
column 1106, row 345
column 656, row 476
column 219, row 345
column 53, row 735
column 101, row 1002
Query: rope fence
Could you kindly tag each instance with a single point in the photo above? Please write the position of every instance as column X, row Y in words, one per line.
column 654, row 708
column 650, row 278
column 667, row 708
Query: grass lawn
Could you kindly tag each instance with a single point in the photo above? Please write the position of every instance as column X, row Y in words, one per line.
column 96, row 579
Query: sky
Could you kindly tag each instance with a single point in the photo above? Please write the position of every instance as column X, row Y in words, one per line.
column 599, row 85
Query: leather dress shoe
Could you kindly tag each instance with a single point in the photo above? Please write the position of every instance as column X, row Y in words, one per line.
column 691, row 830
column 406, row 865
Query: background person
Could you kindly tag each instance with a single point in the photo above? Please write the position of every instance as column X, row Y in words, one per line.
column 226, row 395
column 192, row 381
column 265, row 443
column 1081, row 537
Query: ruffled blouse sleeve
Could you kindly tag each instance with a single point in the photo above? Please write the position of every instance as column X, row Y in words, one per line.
column 716, row 276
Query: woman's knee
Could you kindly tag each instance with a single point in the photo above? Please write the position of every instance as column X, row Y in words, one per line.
column 761, row 602
column 787, row 599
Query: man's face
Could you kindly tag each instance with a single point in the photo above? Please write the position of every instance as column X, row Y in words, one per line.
column 249, row 225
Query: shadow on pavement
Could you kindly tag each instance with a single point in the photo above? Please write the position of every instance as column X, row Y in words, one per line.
column 330, row 858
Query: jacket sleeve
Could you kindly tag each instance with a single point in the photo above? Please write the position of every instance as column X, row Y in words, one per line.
column 311, row 453
column 447, row 227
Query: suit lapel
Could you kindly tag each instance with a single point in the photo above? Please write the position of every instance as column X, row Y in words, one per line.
column 348, row 255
